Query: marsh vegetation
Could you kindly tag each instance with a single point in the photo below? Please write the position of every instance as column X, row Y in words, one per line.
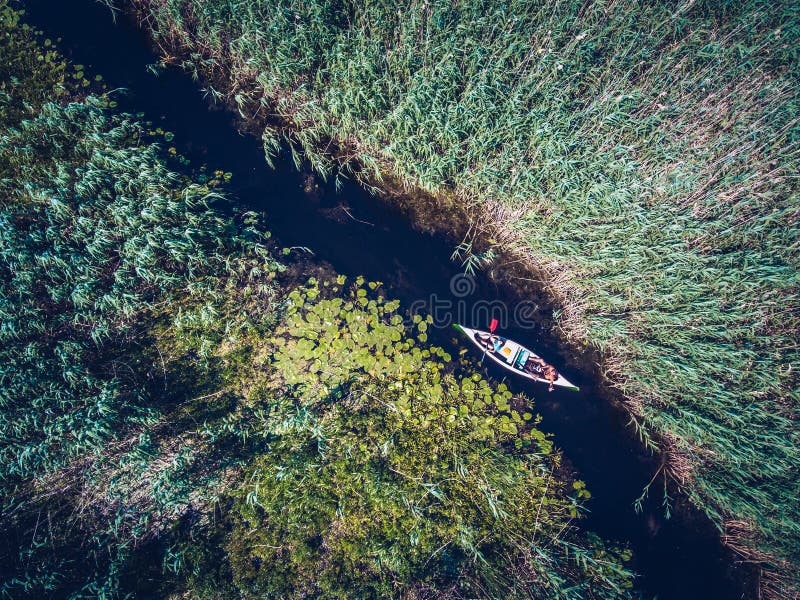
column 641, row 158
column 185, row 411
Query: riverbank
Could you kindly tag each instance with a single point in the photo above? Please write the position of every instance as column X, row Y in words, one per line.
column 649, row 182
column 169, row 374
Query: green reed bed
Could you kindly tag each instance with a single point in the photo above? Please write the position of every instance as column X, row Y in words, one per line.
column 643, row 156
column 97, row 233
column 178, row 416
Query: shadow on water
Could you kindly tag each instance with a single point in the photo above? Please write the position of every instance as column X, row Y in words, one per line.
column 678, row 558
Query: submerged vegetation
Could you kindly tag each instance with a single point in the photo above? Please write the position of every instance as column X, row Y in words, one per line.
column 180, row 415
column 643, row 157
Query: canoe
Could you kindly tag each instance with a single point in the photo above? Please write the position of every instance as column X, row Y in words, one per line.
column 512, row 356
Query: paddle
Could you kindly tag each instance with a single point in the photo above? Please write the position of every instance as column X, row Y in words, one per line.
column 492, row 327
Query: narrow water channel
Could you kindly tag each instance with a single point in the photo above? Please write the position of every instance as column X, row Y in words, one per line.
column 677, row 558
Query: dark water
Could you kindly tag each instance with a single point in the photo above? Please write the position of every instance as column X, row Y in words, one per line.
column 678, row 558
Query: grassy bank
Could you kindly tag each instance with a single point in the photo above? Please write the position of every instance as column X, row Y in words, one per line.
column 643, row 157
column 181, row 414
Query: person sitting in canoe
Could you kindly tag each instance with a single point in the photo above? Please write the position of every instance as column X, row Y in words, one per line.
column 540, row 368
column 492, row 342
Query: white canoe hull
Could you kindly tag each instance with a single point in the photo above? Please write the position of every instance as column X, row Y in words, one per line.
column 512, row 349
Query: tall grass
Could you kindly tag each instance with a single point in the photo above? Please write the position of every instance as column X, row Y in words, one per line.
column 149, row 352
column 96, row 233
column 643, row 155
